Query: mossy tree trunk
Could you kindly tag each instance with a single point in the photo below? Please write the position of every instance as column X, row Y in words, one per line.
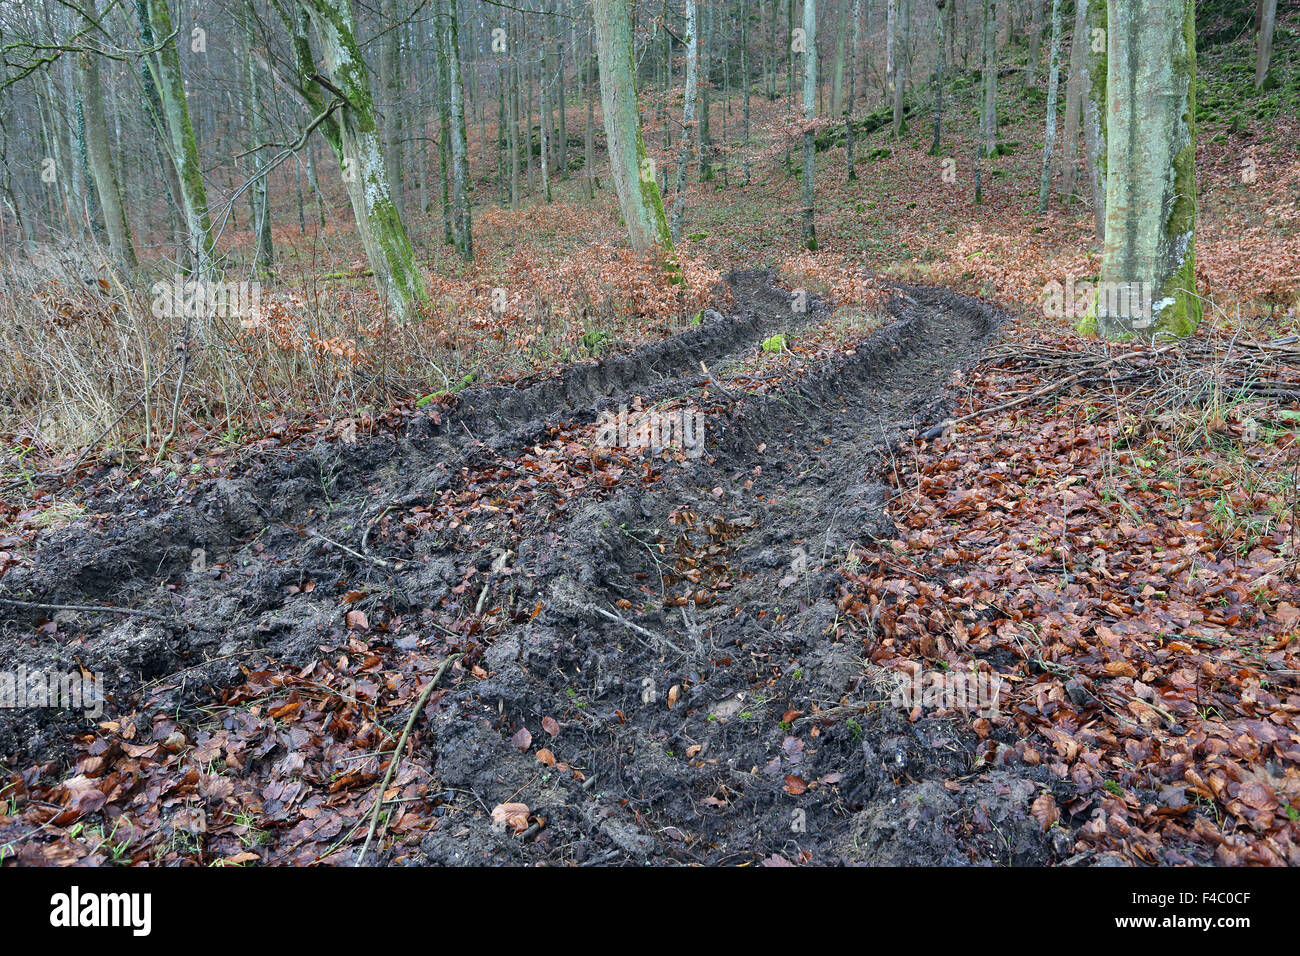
column 1094, row 113
column 99, row 157
column 630, row 167
column 184, row 151
column 1148, row 276
column 902, row 64
column 355, row 139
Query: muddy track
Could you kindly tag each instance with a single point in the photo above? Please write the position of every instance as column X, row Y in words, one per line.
column 619, row 625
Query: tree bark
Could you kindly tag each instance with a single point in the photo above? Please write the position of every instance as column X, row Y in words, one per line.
column 1053, row 84
column 1074, row 100
column 1094, row 114
column 837, row 74
column 265, row 254
column 1148, row 276
column 1264, row 40
column 460, row 198
column 100, row 159
column 630, row 167
column 361, row 158
column 390, row 77
column 902, row 64
column 809, row 115
column 181, row 144
column 938, row 80
column 989, row 116
column 688, row 118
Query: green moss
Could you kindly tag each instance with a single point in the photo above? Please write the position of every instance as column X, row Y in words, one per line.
column 1184, row 315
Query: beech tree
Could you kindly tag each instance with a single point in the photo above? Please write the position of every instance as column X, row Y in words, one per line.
column 1053, row 82
column 354, row 137
column 689, row 127
column 1264, row 40
column 809, row 115
column 99, row 157
column 1148, row 275
column 630, row 167
column 989, row 112
column 181, row 146
column 1094, row 112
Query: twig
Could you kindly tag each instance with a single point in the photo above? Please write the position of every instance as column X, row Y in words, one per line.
column 343, row 547
column 397, row 752
column 371, row 526
column 36, row 605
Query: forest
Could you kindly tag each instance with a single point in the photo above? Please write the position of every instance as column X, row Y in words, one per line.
column 592, row 433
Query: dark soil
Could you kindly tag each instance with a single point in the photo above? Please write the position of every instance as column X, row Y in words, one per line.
column 766, row 679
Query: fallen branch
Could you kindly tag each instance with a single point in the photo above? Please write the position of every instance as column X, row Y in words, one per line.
column 132, row 612
column 343, row 547
column 397, row 752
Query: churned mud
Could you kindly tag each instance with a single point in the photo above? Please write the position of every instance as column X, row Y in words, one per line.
column 656, row 664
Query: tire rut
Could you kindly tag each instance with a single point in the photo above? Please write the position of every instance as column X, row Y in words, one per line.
column 788, row 484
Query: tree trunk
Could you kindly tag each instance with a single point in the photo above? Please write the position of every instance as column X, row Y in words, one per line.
column 938, row 80
column 512, row 126
column 444, row 125
column 391, row 78
column 837, row 74
column 1074, row 101
column 688, row 118
column 181, row 144
column 544, row 127
column 1094, row 114
column 589, row 127
column 809, row 115
column 891, row 48
column 704, row 138
column 1148, row 277
column 361, row 159
column 1053, row 83
column 460, row 198
column 744, row 81
column 1264, row 40
column 630, row 167
column 1035, row 40
column 100, row 158
column 902, row 64
column 850, row 143
column 989, row 116
column 265, row 254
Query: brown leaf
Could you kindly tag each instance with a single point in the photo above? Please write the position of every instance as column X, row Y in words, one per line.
column 513, row 815
column 1045, row 810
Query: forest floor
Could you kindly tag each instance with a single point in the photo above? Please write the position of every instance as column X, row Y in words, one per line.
column 682, row 658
